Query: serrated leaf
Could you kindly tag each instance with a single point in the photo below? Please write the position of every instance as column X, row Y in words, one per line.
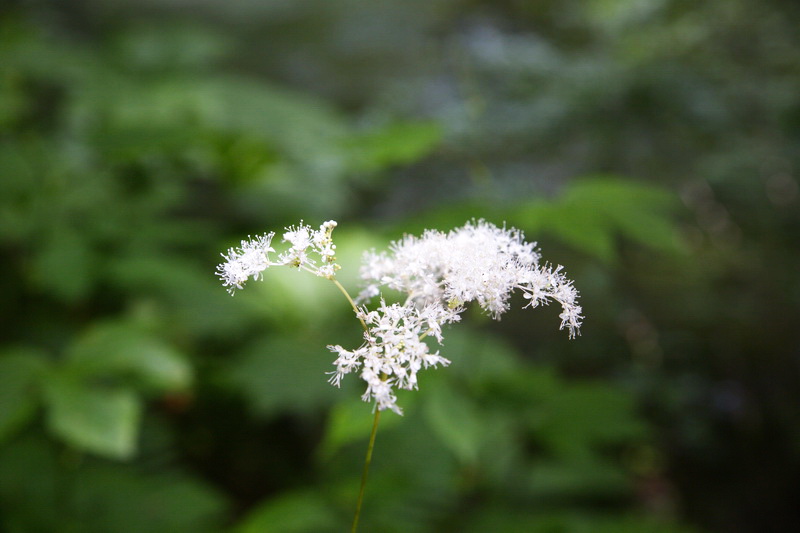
column 92, row 418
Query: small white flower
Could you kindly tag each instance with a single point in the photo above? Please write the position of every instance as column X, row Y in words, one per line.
column 249, row 260
column 300, row 239
column 393, row 351
column 305, row 241
column 252, row 257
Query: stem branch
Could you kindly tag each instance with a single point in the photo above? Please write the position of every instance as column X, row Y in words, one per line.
column 352, row 303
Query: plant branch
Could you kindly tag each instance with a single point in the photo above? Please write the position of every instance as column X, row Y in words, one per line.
column 352, row 304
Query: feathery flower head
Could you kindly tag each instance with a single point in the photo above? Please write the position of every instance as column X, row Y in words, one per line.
column 439, row 273
column 477, row 262
column 251, row 258
column 393, row 351
column 304, row 240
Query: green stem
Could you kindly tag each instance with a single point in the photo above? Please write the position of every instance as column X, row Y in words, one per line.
column 371, row 445
column 367, row 462
column 352, row 303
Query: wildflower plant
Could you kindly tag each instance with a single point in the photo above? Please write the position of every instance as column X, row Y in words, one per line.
column 437, row 273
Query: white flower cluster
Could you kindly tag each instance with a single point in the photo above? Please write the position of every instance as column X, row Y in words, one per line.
column 251, row 259
column 477, row 262
column 438, row 272
column 394, row 350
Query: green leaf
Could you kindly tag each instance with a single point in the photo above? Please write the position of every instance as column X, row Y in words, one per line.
column 92, row 418
column 283, row 374
column 593, row 211
column 454, row 419
column 296, row 512
column 576, row 418
column 119, row 349
column 398, row 143
column 64, row 266
column 351, row 420
column 102, row 496
column 19, row 375
column 478, row 357
column 120, row 499
column 557, row 479
column 581, row 226
column 638, row 211
column 28, row 486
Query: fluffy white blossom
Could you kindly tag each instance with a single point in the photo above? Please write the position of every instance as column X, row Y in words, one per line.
column 310, row 250
column 248, row 261
column 477, row 262
column 306, row 244
column 394, row 350
column 439, row 273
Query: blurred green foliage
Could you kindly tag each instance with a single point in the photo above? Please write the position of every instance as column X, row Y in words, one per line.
column 137, row 141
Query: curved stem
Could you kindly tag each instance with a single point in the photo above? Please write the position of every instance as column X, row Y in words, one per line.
column 367, row 462
column 352, row 303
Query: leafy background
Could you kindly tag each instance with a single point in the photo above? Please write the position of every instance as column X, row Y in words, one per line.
column 651, row 146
